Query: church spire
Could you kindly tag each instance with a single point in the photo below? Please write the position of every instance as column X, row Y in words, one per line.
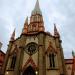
column 37, row 9
column 36, row 21
column 13, row 36
column 56, row 33
column 25, row 29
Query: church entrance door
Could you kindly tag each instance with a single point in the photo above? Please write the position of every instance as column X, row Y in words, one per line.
column 29, row 71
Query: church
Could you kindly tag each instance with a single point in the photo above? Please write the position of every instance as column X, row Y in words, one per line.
column 35, row 52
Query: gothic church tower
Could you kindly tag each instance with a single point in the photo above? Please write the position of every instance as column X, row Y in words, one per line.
column 35, row 52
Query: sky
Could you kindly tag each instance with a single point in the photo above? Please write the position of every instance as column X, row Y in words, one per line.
column 62, row 12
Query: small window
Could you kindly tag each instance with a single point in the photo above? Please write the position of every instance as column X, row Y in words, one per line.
column 13, row 61
column 52, row 60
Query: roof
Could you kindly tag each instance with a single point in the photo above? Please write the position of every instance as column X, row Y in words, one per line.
column 68, row 61
column 2, row 52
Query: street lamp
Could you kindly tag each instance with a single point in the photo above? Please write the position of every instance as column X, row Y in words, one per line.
column 36, row 72
column 7, row 73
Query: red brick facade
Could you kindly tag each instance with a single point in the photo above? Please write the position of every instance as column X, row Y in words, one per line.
column 2, row 57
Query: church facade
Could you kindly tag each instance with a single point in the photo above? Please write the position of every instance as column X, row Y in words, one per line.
column 35, row 52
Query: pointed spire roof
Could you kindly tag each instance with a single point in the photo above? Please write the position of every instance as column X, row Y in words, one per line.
column 13, row 36
column 25, row 28
column 56, row 33
column 37, row 9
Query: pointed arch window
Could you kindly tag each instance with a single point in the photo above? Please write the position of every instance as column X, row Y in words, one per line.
column 13, row 61
column 52, row 60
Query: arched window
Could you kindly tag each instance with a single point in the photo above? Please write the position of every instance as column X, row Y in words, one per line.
column 13, row 61
column 52, row 60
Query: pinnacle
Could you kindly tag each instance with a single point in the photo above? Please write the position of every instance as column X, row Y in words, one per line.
column 13, row 36
column 26, row 21
column 25, row 28
column 56, row 31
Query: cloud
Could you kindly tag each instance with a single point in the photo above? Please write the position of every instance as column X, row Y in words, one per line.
column 61, row 12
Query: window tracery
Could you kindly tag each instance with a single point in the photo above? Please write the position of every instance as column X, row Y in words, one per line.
column 13, row 61
column 52, row 60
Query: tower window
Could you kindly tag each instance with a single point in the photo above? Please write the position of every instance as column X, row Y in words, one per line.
column 52, row 60
column 13, row 61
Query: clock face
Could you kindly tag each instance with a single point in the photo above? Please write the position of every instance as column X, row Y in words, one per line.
column 31, row 48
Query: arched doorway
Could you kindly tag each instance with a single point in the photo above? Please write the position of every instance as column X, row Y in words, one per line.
column 29, row 71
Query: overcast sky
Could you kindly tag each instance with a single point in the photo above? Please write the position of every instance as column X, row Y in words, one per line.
column 62, row 12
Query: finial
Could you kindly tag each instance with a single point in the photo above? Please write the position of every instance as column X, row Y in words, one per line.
column 56, row 31
column 13, row 36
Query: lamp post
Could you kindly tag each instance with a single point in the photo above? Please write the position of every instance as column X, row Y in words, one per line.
column 7, row 73
column 36, row 72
